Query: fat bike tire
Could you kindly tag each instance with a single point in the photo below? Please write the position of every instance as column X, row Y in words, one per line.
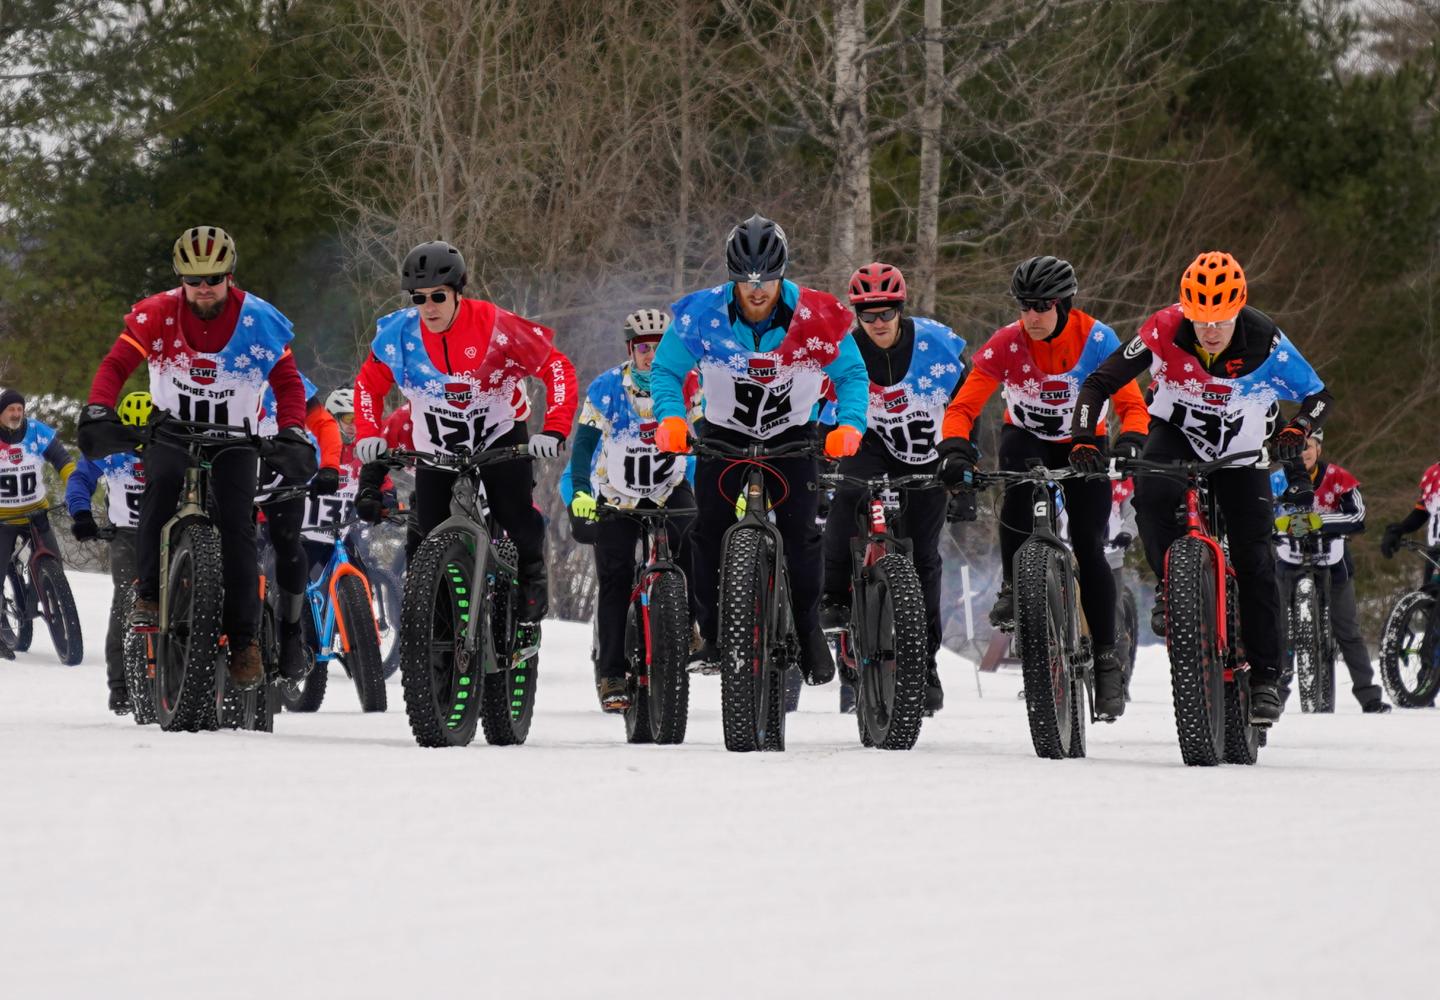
column 660, row 690
column 441, row 682
column 1197, row 672
column 1242, row 740
column 16, row 625
column 139, row 666
column 890, row 698
column 1307, row 646
column 362, row 659
column 1041, row 631
column 508, row 695
column 749, row 683
column 64, row 620
column 188, row 661
column 1410, row 651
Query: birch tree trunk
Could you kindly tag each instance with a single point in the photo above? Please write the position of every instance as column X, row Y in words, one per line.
column 928, row 210
column 850, row 244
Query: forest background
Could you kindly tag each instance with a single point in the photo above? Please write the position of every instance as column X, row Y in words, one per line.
column 589, row 158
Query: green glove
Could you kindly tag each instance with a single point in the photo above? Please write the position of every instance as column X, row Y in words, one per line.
column 583, row 506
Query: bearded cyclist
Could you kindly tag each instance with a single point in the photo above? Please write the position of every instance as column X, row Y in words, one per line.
column 1219, row 368
column 615, row 461
column 124, row 477
column 25, row 446
column 211, row 349
column 1040, row 360
column 915, row 366
column 763, row 346
column 461, row 364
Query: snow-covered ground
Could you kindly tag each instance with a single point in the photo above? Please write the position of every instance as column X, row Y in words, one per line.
column 335, row 858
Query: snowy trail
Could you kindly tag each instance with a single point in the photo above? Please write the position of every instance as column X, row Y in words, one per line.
column 140, row 863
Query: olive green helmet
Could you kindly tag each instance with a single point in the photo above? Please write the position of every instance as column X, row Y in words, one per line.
column 204, row 251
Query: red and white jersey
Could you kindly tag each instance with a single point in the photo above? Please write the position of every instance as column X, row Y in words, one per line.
column 1337, row 501
column 1430, row 500
column 225, row 387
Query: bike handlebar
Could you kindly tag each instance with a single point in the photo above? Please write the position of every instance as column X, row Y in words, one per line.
column 757, row 451
column 1185, row 470
column 464, row 461
column 606, row 511
column 912, row 481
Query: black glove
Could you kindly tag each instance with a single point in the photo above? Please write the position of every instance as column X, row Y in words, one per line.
column 1086, row 457
column 957, row 460
column 961, row 508
column 1299, row 494
column 369, row 505
column 1290, row 442
column 1129, row 445
column 1390, row 543
column 100, row 433
column 82, row 526
column 1122, row 540
column 583, row 530
column 291, row 454
column 326, row 482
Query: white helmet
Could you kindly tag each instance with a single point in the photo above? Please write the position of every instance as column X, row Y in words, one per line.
column 646, row 323
column 340, row 401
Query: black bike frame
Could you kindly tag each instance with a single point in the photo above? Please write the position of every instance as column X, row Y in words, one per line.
column 35, row 601
column 658, row 558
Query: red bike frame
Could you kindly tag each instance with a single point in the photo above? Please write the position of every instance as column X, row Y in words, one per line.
column 1197, row 526
column 38, row 548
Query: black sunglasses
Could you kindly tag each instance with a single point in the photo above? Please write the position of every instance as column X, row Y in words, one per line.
column 1036, row 305
column 883, row 316
column 211, row 280
column 419, row 297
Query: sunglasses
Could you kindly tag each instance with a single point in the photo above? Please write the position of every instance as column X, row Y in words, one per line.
column 211, row 280
column 419, row 298
column 642, row 346
column 883, row 316
column 1036, row 305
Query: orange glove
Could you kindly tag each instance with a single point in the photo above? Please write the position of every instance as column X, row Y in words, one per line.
column 842, row 441
column 673, row 435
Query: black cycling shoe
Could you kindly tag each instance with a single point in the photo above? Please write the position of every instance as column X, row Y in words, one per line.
column 1157, row 613
column 1265, row 703
column 1376, row 707
column 120, row 701
column 934, row 693
column 834, row 614
column 534, row 594
column 294, row 664
column 816, row 663
column 1109, row 686
column 1002, row 615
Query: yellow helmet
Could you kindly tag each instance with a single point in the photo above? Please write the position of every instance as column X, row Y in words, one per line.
column 135, row 409
column 203, row 251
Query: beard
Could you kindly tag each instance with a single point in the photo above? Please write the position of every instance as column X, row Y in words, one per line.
column 206, row 312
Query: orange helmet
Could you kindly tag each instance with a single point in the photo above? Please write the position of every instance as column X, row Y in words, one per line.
column 1212, row 289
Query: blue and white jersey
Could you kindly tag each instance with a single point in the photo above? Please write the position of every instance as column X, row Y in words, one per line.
column 124, row 486
column 21, row 464
column 760, row 392
column 908, row 414
column 628, row 467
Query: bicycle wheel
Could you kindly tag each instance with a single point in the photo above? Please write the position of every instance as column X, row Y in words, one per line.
column 748, row 681
column 1410, row 651
column 890, row 698
column 1127, row 634
column 637, row 681
column 508, row 695
column 1325, row 675
column 309, row 694
column 1242, row 740
column 1197, row 668
column 660, row 681
column 386, row 593
column 16, row 624
column 188, row 658
column 139, row 668
column 1042, row 627
column 1307, row 646
column 363, row 657
column 64, row 619
column 441, row 680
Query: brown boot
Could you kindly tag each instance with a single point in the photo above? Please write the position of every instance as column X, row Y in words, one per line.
column 246, row 670
column 144, row 615
column 614, row 697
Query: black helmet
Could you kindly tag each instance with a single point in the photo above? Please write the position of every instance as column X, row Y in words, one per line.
column 1043, row 278
column 756, row 250
column 432, row 264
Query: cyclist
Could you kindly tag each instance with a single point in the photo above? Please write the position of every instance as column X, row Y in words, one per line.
column 124, row 476
column 461, row 364
column 615, row 461
column 323, row 511
column 915, row 366
column 25, row 446
column 1339, row 512
column 1219, row 366
column 285, row 521
column 211, row 348
column 1426, row 511
column 1040, row 361
column 763, row 346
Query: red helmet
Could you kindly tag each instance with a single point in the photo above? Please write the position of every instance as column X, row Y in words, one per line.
column 876, row 283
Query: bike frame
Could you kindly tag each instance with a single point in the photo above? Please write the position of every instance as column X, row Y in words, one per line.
column 35, row 602
column 326, row 613
column 658, row 561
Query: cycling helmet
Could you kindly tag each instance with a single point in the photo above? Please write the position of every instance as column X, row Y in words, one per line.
column 432, row 264
column 756, row 250
column 1212, row 289
column 203, row 251
column 875, row 284
column 341, row 401
column 646, row 324
column 135, row 408
column 1043, row 278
